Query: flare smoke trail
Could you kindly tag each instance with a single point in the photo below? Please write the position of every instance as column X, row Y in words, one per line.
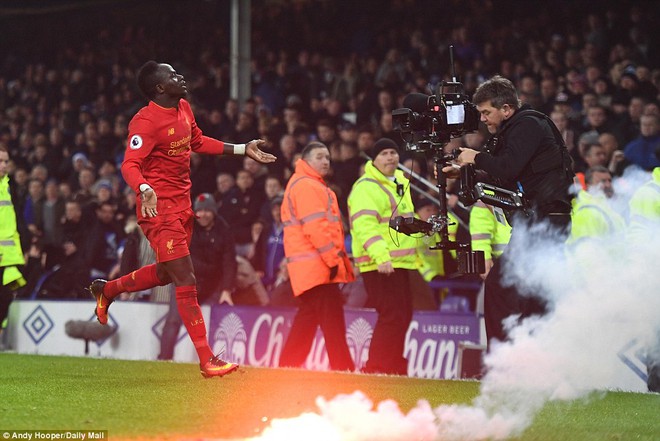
column 604, row 297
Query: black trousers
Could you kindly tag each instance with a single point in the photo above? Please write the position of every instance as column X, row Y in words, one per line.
column 321, row 306
column 6, row 297
column 501, row 301
column 392, row 298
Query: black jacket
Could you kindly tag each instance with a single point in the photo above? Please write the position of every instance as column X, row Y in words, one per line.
column 214, row 259
column 241, row 210
column 102, row 246
column 527, row 153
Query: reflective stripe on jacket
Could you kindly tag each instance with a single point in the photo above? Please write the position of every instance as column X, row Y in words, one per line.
column 313, row 234
column 371, row 203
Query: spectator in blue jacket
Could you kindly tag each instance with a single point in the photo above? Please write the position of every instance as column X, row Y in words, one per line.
column 641, row 151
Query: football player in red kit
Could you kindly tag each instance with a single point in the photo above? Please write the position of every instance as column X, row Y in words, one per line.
column 157, row 166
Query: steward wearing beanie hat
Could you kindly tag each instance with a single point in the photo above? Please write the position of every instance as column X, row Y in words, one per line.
column 387, row 264
column 383, row 144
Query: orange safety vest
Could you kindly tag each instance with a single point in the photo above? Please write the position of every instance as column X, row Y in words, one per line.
column 313, row 234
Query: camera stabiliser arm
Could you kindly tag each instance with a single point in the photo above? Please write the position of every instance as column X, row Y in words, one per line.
column 469, row 262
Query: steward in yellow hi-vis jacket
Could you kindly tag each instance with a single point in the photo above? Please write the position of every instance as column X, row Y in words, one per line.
column 11, row 254
column 592, row 216
column 597, row 231
column 385, row 259
column 316, row 260
column 645, row 209
column 489, row 232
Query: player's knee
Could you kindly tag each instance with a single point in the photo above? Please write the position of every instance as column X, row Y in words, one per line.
column 181, row 278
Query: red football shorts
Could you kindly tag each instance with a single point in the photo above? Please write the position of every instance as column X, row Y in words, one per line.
column 169, row 234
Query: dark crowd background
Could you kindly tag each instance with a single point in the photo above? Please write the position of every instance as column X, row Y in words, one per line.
column 326, row 70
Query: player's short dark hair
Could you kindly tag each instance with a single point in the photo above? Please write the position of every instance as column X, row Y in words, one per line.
column 148, row 78
column 499, row 91
column 307, row 150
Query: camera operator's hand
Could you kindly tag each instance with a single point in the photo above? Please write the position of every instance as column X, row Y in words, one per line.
column 452, row 171
column 466, row 157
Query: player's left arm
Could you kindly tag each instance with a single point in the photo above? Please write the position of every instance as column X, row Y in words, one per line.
column 201, row 143
column 212, row 146
column 252, row 149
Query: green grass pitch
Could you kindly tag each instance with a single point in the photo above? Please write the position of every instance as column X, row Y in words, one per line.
column 171, row 401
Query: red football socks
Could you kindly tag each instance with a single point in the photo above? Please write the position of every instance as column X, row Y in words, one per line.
column 191, row 315
column 138, row 280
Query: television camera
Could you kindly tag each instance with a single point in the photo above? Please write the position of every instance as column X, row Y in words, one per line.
column 427, row 123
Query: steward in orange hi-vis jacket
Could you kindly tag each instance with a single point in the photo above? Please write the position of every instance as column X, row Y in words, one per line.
column 316, row 260
column 313, row 234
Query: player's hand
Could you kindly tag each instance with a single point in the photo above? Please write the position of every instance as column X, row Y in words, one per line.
column 386, row 268
column 149, row 200
column 252, row 149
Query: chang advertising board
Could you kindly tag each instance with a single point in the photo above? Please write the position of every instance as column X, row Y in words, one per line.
column 255, row 336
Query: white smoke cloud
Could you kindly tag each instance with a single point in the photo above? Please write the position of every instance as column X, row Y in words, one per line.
column 603, row 297
column 353, row 418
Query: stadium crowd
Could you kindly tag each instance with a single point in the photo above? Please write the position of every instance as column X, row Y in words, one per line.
column 321, row 70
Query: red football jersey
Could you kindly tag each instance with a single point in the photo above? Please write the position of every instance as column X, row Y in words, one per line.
column 158, row 153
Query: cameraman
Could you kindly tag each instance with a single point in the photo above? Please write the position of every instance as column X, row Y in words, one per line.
column 526, row 153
